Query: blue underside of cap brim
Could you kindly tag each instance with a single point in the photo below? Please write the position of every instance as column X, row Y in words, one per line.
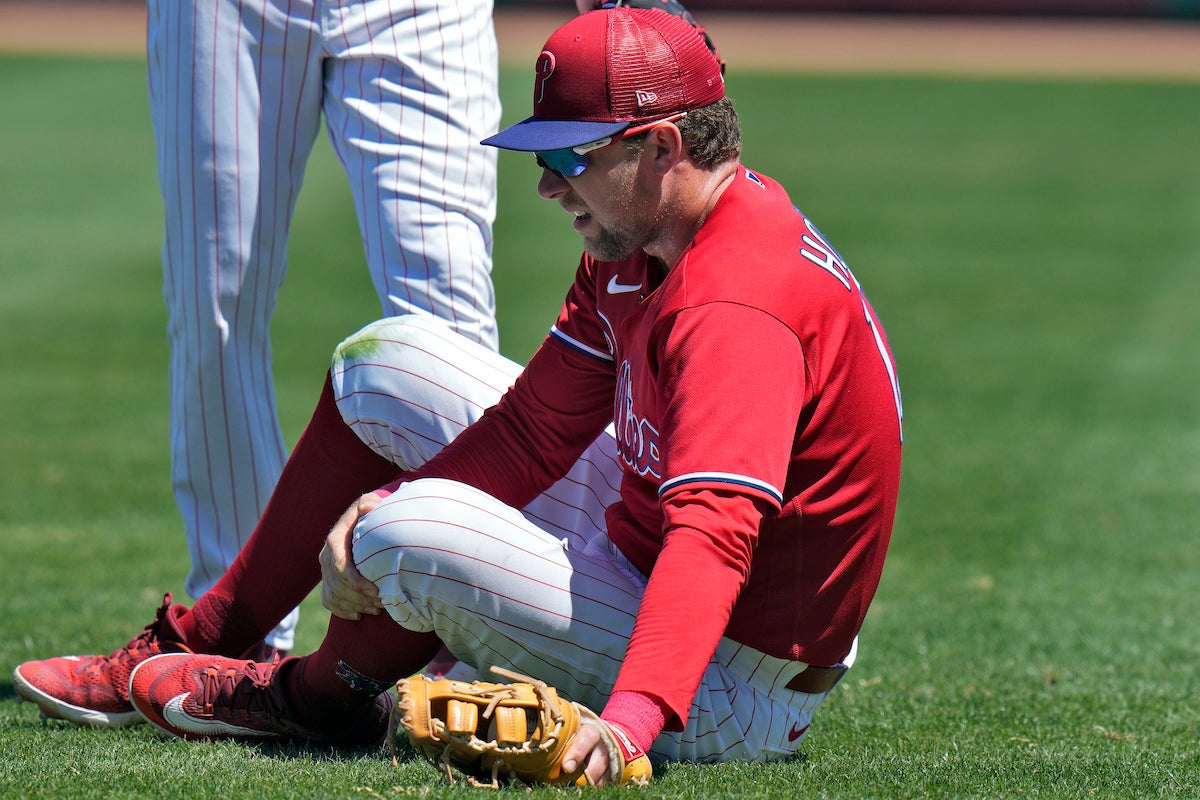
column 552, row 134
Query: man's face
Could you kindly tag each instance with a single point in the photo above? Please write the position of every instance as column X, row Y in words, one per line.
column 613, row 202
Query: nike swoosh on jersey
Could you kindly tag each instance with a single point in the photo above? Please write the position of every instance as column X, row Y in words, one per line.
column 176, row 717
column 615, row 287
column 796, row 732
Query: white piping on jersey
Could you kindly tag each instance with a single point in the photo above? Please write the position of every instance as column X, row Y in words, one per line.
column 580, row 346
column 722, row 477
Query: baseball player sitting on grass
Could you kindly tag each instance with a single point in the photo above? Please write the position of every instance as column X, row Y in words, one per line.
column 676, row 516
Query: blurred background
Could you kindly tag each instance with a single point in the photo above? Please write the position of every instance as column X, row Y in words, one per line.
column 1091, row 8
column 1094, row 8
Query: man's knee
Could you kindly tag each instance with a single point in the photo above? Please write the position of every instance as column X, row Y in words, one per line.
column 386, row 345
column 408, row 385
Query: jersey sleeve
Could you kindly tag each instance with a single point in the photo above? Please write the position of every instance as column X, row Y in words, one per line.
column 734, row 388
column 580, row 325
column 733, row 384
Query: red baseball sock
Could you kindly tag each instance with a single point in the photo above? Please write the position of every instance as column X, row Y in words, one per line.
column 328, row 470
column 358, row 660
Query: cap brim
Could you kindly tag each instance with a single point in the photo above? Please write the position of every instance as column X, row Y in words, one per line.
column 552, row 134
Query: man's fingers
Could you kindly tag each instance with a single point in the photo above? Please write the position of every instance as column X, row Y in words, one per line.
column 344, row 591
column 586, row 749
column 597, row 766
column 348, row 600
column 334, row 606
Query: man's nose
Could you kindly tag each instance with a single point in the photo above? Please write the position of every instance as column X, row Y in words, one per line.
column 551, row 185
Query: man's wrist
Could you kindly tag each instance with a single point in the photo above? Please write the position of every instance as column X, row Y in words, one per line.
column 641, row 716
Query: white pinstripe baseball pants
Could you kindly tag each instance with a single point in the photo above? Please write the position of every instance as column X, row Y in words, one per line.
column 541, row 590
column 237, row 91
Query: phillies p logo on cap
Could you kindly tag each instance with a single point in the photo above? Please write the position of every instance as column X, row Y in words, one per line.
column 608, row 69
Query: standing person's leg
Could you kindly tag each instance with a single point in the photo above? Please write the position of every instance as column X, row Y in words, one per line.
column 235, row 98
column 410, row 90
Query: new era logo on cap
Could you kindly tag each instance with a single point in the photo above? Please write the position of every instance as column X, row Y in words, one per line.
column 606, row 69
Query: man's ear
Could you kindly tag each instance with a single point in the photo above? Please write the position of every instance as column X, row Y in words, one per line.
column 664, row 144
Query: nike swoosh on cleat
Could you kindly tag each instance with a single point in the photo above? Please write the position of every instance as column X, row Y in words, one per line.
column 176, row 717
column 615, row 287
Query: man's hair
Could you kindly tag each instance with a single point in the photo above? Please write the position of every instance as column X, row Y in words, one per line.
column 712, row 134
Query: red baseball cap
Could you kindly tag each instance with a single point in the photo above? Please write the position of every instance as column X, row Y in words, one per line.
column 608, row 69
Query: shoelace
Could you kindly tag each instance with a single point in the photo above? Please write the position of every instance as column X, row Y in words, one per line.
column 246, row 687
column 145, row 643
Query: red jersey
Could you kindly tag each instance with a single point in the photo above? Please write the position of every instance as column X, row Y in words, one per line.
column 758, row 417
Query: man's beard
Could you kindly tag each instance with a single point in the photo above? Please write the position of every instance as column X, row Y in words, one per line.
column 619, row 243
column 611, row 245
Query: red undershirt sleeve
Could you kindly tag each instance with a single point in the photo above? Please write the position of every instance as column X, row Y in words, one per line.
column 709, row 543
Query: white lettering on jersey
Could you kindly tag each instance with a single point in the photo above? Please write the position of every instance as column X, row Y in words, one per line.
column 819, row 251
column 637, row 439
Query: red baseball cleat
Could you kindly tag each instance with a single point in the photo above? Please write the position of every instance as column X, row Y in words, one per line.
column 212, row 697
column 94, row 690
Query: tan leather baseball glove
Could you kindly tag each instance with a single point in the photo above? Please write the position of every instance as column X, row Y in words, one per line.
column 504, row 732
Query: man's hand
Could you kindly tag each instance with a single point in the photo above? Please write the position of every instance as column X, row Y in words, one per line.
column 344, row 591
column 587, row 749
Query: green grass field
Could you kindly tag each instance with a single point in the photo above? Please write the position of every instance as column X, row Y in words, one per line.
column 1033, row 248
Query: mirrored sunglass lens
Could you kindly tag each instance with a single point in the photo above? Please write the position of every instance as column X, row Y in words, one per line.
column 565, row 162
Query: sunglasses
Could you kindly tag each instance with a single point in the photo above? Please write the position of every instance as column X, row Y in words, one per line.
column 570, row 162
